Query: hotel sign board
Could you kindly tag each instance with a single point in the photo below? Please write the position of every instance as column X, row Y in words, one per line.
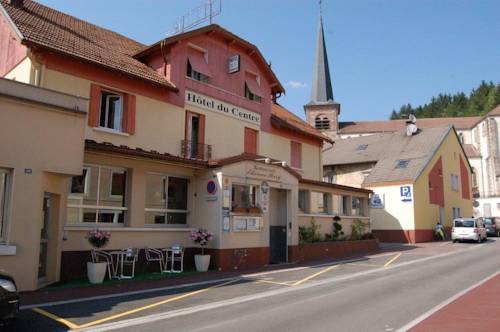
column 221, row 107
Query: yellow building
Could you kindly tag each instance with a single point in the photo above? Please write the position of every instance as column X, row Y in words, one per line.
column 148, row 142
column 418, row 178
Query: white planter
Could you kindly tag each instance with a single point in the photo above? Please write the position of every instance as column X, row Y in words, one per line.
column 202, row 262
column 96, row 272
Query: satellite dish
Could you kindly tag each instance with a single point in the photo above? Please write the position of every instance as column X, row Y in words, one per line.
column 475, row 204
column 411, row 129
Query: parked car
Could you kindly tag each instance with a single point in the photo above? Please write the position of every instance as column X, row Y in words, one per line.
column 492, row 226
column 9, row 298
column 468, row 229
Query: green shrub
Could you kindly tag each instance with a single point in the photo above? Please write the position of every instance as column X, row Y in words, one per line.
column 359, row 229
column 309, row 234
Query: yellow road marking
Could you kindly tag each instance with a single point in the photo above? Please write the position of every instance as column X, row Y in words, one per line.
column 286, row 283
column 56, row 318
column 365, row 264
column 314, row 275
column 129, row 312
column 389, row 262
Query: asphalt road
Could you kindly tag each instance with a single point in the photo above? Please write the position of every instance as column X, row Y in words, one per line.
column 380, row 301
column 379, row 293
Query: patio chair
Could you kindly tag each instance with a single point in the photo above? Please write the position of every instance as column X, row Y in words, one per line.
column 154, row 255
column 177, row 253
column 100, row 256
column 129, row 259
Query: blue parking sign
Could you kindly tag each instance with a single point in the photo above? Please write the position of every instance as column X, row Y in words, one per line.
column 405, row 193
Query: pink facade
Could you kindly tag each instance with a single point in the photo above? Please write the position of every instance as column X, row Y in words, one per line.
column 222, row 85
column 11, row 51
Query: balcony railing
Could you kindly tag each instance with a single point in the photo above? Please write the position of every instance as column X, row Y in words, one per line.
column 195, row 150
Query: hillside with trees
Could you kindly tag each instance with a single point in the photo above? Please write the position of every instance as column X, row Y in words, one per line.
column 479, row 102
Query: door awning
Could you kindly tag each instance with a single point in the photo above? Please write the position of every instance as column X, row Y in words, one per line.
column 253, row 86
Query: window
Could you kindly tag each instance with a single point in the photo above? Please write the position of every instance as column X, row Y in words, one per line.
column 97, row 196
column 194, row 144
column 357, row 206
column 361, row 147
column 454, row 182
column 319, row 203
column 474, row 178
column 337, row 205
column 111, row 115
column 251, row 95
column 244, row 196
column 321, row 122
column 402, row 163
column 250, row 141
column 456, row 212
column 303, row 200
column 195, row 75
column 4, row 184
column 166, row 200
column 296, row 154
column 345, row 205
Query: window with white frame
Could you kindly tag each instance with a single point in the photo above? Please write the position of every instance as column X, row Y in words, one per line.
column 166, row 200
column 319, row 202
column 303, row 200
column 4, row 184
column 244, row 196
column 357, row 206
column 111, row 112
column 97, row 196
column 337, row 208
column 454, row 182
column 456, row 213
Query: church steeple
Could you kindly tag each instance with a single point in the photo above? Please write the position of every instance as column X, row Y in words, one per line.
column 322, row 91
column 322, row 112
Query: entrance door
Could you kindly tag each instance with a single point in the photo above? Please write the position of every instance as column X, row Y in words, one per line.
column 44, row 239
column 277, row 225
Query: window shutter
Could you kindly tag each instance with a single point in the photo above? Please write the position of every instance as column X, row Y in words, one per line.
column 94, row 105
column 129, row 114
column 201, row 129
column 296, row 154
column 250, row 141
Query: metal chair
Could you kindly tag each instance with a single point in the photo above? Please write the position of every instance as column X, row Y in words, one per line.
column 129, row 259
column 177, row 253
column 154, row 255
column 100, row 256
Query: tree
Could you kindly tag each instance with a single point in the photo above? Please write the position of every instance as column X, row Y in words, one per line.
column 480, row 101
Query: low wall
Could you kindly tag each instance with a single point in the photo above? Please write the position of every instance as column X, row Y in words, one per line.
column 334, row 249
column 407, row 235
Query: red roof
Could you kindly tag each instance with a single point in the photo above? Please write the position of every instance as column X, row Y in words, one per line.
column 356, row 127
column 281, row 117
column 50, row 29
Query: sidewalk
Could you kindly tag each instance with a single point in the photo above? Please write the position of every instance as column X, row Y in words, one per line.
column 64, row 294
column 477, row 310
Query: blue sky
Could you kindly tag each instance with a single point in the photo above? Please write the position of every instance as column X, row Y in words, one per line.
column 383, row 53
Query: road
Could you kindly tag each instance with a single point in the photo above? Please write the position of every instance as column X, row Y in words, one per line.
column 381, row 293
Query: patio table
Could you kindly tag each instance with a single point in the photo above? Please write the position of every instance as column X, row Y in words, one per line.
column 170, row 254
column 120, row 256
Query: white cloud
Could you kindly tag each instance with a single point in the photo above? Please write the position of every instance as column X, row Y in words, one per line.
column 296, row 84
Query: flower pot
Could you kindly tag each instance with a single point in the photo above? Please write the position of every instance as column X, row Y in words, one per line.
column 96, row 272
column 202, row 262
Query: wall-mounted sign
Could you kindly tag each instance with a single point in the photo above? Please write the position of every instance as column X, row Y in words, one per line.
column 263, row 172
column 233, row 64
column 264, row 197
column 377, row 201
column 218, row 106
column 211, row 187
column 405, row 192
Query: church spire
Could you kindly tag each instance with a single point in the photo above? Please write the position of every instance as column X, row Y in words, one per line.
column 322, row 92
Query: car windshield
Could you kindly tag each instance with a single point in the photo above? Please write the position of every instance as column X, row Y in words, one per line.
column 488, row 221
column 464, row 223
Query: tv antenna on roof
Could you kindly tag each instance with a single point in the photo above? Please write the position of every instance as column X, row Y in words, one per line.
column 196, row 16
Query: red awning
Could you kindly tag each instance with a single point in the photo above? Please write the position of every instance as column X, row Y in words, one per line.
column 252, row 85
column 198, row 63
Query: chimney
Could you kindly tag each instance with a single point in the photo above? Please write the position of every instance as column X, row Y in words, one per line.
column 411, row 125
column 16, row 3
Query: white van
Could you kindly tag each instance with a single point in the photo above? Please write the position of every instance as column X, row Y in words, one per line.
column 468, row 229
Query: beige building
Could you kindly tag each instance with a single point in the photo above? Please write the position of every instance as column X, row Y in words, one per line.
column 148, row 142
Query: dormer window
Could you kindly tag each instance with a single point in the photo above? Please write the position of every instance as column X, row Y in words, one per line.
column 252, row 87
column 197, row 64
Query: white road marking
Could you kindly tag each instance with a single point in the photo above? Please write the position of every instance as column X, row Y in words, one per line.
column 258, row 296
column 443, row 304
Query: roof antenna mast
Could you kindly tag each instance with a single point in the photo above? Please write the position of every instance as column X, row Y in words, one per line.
column 197, row 16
